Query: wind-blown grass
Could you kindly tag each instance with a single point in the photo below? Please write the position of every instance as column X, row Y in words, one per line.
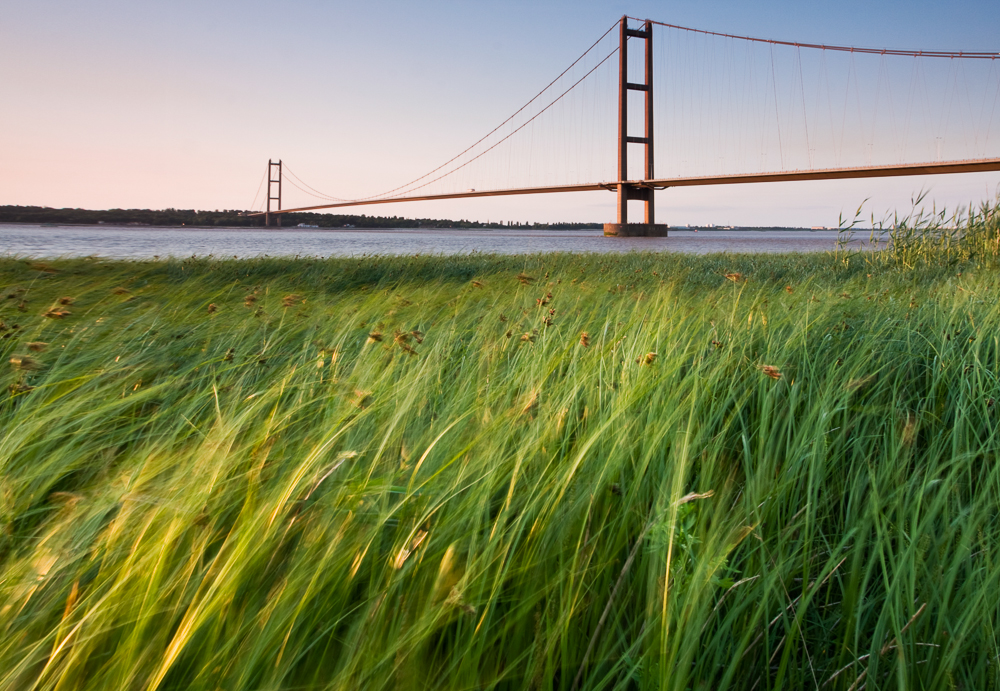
column 555, row 471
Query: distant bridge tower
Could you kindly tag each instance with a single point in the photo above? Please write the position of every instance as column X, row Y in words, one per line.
column 271, row 181
column 639, row 191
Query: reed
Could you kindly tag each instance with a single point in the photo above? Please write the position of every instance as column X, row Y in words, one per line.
column 552, row 471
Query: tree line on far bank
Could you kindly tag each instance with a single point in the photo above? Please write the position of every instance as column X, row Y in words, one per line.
column 238, row 218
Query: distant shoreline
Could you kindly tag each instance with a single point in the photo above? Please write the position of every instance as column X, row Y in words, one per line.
column 235, row 219
column 240, row 218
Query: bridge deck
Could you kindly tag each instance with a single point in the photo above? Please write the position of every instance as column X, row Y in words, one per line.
column 946, row 167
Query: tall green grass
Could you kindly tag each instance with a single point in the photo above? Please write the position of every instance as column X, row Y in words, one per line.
column 554, row 471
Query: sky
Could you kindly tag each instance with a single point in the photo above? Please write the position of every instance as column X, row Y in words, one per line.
column 139, row 104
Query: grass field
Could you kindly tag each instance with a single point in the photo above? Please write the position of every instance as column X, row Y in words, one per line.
column 553, row 471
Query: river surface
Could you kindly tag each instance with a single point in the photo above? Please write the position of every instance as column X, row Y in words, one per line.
column 147, row 243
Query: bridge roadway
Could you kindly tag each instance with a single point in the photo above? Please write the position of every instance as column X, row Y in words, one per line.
column 945, row 167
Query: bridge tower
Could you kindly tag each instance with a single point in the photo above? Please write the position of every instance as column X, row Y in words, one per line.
column 635, row 190
column 271, row 181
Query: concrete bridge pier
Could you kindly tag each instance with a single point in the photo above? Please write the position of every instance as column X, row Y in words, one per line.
column 635, row 230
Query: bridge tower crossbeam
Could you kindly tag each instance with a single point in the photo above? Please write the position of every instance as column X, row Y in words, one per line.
column 632, row 190
column 270, row 218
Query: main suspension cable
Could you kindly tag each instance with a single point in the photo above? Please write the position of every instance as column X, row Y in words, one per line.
column 253, row 207
column 318, row 194
column 525, row 124
column 978, row 55
column 519, row 110
column 485, row 137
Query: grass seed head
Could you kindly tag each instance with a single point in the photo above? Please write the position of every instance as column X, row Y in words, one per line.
column 691, row 496
column 36, row 346
column 585, row 339
column 530, row 403
column 860, row 383
column 405, row 553
column 734, row 277
column 908, row 433
column 66, row 300
column 449, row 573
column 477, row 284
column 374, row 337
column 290, row 300
column 56, row 314
column 19, row 387
column 212, row 308
column 648, row 360
column 771, row 371
column 25, row 363
column 524, row 278
column 120, row 291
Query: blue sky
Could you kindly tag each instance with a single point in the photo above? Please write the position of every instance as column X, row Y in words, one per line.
column 180, row 104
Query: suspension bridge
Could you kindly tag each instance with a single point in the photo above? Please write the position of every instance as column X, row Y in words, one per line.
column 726, row 110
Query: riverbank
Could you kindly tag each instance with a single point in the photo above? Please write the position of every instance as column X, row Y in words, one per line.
column 548, row 471
column 236, row 218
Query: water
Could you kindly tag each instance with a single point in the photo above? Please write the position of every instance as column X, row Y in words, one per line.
column 146, row 243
